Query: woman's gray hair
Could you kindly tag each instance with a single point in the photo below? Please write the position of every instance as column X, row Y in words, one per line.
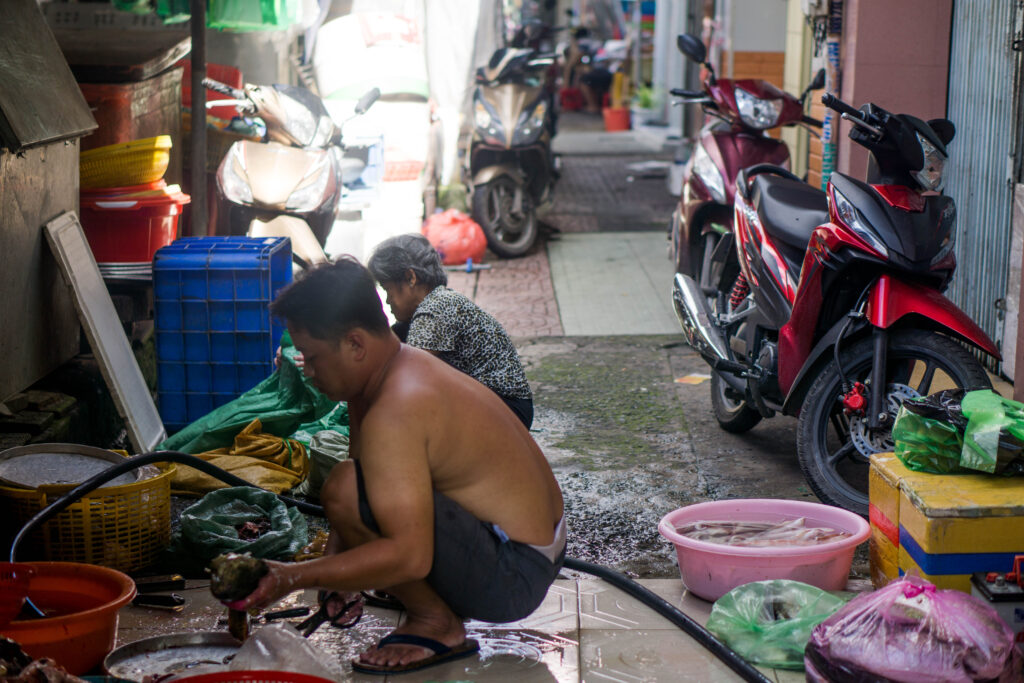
column 396, row 256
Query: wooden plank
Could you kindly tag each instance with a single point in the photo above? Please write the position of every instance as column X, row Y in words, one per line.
column 39, row 101
column 40, row 328
column 106, row 336
column 119, row 56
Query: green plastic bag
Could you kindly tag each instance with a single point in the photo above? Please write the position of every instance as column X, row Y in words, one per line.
column 336, row 421
column 770, row 622
column 208, row 528
column 994, row 439
column 283, row 402
column 925, row 444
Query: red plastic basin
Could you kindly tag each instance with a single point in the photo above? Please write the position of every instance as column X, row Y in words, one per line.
column 83, row 600
column 127, row 230
column 14, row 582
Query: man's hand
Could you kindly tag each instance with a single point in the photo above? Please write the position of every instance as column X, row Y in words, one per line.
column 277, row 583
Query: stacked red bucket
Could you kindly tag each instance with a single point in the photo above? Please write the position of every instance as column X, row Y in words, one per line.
column 127, row 209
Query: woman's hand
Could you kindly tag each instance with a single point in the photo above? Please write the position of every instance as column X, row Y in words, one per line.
column 299, row 359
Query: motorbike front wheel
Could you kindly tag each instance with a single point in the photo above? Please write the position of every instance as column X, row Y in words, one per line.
column 834, row 448
column 509, row 234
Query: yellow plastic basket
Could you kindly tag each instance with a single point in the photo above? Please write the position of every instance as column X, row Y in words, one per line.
column 127, row 163
column 121, row 527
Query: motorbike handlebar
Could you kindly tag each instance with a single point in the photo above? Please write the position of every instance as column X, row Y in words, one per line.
column 224, row 89
column 836, row 104
column 692, row 94
column 811, row 121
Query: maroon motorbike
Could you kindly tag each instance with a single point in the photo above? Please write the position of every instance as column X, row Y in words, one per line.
column 828, row 305
column 739, row 112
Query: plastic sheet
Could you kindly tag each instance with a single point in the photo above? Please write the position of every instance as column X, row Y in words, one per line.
column 909, row 631
column 264, row 460
column 279, row 647
column 769, row 622
column 282, row 403
column 209, row 528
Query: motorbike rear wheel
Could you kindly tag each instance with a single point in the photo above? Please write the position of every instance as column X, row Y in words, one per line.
column 508, row 235
column 833, row 448
column 733, row 415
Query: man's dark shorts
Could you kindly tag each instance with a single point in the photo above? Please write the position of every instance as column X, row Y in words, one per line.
column 477, row 572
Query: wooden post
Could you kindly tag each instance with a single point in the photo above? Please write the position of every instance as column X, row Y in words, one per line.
column 198, row 166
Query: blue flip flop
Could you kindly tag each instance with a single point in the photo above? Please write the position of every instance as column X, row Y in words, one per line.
column 442, row 654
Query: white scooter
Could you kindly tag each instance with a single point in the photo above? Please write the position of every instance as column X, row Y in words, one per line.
column 289, row 184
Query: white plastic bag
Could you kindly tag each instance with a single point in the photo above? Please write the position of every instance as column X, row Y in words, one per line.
column 280, row 647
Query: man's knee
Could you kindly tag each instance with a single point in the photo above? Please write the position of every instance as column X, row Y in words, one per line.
column 340, row 494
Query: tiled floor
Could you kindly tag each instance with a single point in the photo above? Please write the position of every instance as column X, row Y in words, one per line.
column 585, row 630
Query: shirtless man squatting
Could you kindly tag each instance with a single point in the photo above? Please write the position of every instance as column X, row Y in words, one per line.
column 446, row 502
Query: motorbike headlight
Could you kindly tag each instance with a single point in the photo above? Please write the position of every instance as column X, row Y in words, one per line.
column 232, row 177
column 530, row 125
column 308, row 195
column 930, row 175
column 299, row 120
column 706, row 170
column 488, row 124
column 755, row 112
column 853, row 220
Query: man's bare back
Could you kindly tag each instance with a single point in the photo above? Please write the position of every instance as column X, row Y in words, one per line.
column 478, row 453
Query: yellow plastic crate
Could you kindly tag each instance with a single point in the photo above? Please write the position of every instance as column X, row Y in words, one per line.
column 127, row 163
column 943, row 527
column 121, row 527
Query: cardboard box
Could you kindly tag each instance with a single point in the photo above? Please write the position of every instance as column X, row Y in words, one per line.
column 943, row 527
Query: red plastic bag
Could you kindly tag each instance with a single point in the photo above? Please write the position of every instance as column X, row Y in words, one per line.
column 909, row 631
column 456, row 236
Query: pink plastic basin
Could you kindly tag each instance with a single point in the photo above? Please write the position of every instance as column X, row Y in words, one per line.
column 710, row 570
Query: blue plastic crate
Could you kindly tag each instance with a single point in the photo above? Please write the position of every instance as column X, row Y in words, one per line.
column 215, row 338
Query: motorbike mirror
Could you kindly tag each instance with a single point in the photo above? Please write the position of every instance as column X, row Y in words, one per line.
column 691, row 46
column 817, row 83
column 944, row 128
column 367, row 100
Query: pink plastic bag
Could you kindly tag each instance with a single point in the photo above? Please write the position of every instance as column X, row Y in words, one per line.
column 910, row 632
column 456, row 236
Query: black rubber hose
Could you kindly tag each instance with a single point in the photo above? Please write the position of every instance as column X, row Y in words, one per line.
column 666, row 609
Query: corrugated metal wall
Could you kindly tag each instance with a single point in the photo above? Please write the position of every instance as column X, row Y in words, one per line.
column 982, row 69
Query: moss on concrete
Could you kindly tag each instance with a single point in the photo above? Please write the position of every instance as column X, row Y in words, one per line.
column 620, row 399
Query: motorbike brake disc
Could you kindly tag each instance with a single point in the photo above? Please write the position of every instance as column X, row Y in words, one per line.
column 867, row 443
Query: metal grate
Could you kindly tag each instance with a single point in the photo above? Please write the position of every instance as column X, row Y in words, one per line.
column 982, row 67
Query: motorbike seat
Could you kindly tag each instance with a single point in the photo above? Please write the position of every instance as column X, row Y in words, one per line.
column 789, row 209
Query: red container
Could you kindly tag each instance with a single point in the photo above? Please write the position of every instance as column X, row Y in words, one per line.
column 82, row 601
column 616, row 118
column 130, row 230
column 228, row 75
column 14, row 583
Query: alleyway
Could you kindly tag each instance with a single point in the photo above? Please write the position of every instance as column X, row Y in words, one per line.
column 592, row 316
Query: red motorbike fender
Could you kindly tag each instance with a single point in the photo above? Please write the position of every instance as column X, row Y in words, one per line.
column 889, row 302
column 892, row 300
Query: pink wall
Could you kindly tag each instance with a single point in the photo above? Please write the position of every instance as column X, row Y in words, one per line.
column 896, row 55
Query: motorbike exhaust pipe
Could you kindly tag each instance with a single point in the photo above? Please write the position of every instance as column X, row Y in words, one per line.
column 695, row 319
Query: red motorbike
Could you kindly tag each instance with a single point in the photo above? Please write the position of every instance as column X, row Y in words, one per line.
column 828, row 305
column 734, row 137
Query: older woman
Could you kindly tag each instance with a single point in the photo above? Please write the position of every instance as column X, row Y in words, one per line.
column 447, row 324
